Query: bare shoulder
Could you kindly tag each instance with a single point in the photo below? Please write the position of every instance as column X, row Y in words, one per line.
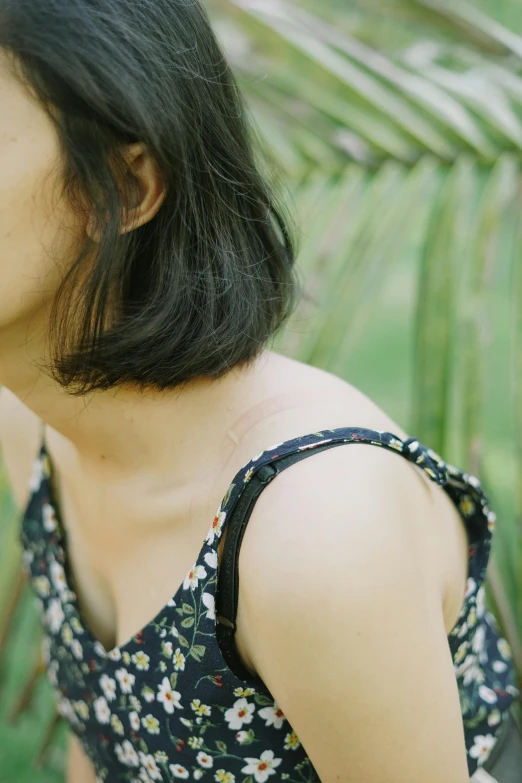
column 20, row 431
column 348, row 629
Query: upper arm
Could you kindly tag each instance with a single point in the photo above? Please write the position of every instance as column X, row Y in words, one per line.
column 20, row 432
column 79, row 768
column 345, row 620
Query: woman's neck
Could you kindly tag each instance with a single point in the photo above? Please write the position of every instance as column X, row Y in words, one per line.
column 124, row 431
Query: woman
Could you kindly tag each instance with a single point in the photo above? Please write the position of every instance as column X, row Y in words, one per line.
column 146, row 267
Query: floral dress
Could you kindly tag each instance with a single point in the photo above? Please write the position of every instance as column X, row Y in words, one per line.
column 168, row 705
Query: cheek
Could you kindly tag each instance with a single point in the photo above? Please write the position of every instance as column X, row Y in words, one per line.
column 38, row 233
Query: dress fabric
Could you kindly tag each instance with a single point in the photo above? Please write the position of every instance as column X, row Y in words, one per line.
column 167, row 705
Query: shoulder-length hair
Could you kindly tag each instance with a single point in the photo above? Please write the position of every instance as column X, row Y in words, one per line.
column 203, row 286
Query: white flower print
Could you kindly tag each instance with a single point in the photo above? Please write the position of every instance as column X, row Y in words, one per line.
column 141, row 661
column 191, row 580
column 242, row 736
column 224, row 777
column 187, row 723
column 99, row 649
column 108, row 686
column 475, row 673
column 499, row 666
column 75, row 624
column 244, row 691
column 174, row 631
column 55, row 616
column 82, row 709
column 67, row 634
column 76, row 649
column 28, row 557
column 197, row 774
column 179, row 660
column 273, row 716
column 195, row 742
column 504, row 649
column 209, row 601
column 471, row 586
column 68, row 596
column 217, row 524
column 57, row 576
column 461, row 653
column 135, row 703
column 205, row 760
column 134, row 720
column 117, row 725
column 482, row 747
column 168, row 697
column 114, row 655
column 481, row 602
column 211, row 559
column 479, row 639
column 148, row 763
column 125, row 657
column 144, row 777
column 161, row 757
column 292, row 741
column 472, row 620
column 65, row 709
column 147, row 693
column 494, row 718
column 150, row 723
column 171, row 602
column 126, row 680
column 200, row 709
column 35, row 482
column 487, row 695
column 101, row 710
column 49, row 518
column 262, row 767
column 241, row 712
column 178, row 771
column 166, row 648
column 42, row 586
column 126, row 754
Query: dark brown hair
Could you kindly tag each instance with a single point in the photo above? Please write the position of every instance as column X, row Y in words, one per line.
column 203, row 286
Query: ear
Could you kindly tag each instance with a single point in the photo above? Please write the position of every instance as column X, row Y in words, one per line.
column 144, row 190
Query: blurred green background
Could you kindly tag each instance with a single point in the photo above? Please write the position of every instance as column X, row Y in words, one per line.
column 397, row 126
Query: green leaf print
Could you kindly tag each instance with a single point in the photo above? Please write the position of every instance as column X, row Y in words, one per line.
column 221, row 746
column 481, row 715
column 174, row 679
column 227, row 496
column 188, row 609
column 262, row 699
column 197, row 652
column 179, row 610
column 143, row 746
column 183, row 641
column 188, row 622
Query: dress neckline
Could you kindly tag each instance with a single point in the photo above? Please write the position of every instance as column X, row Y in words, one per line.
column 425, row 458
column 58, row 542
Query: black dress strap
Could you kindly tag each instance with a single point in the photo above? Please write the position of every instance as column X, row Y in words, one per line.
column 227, row 588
